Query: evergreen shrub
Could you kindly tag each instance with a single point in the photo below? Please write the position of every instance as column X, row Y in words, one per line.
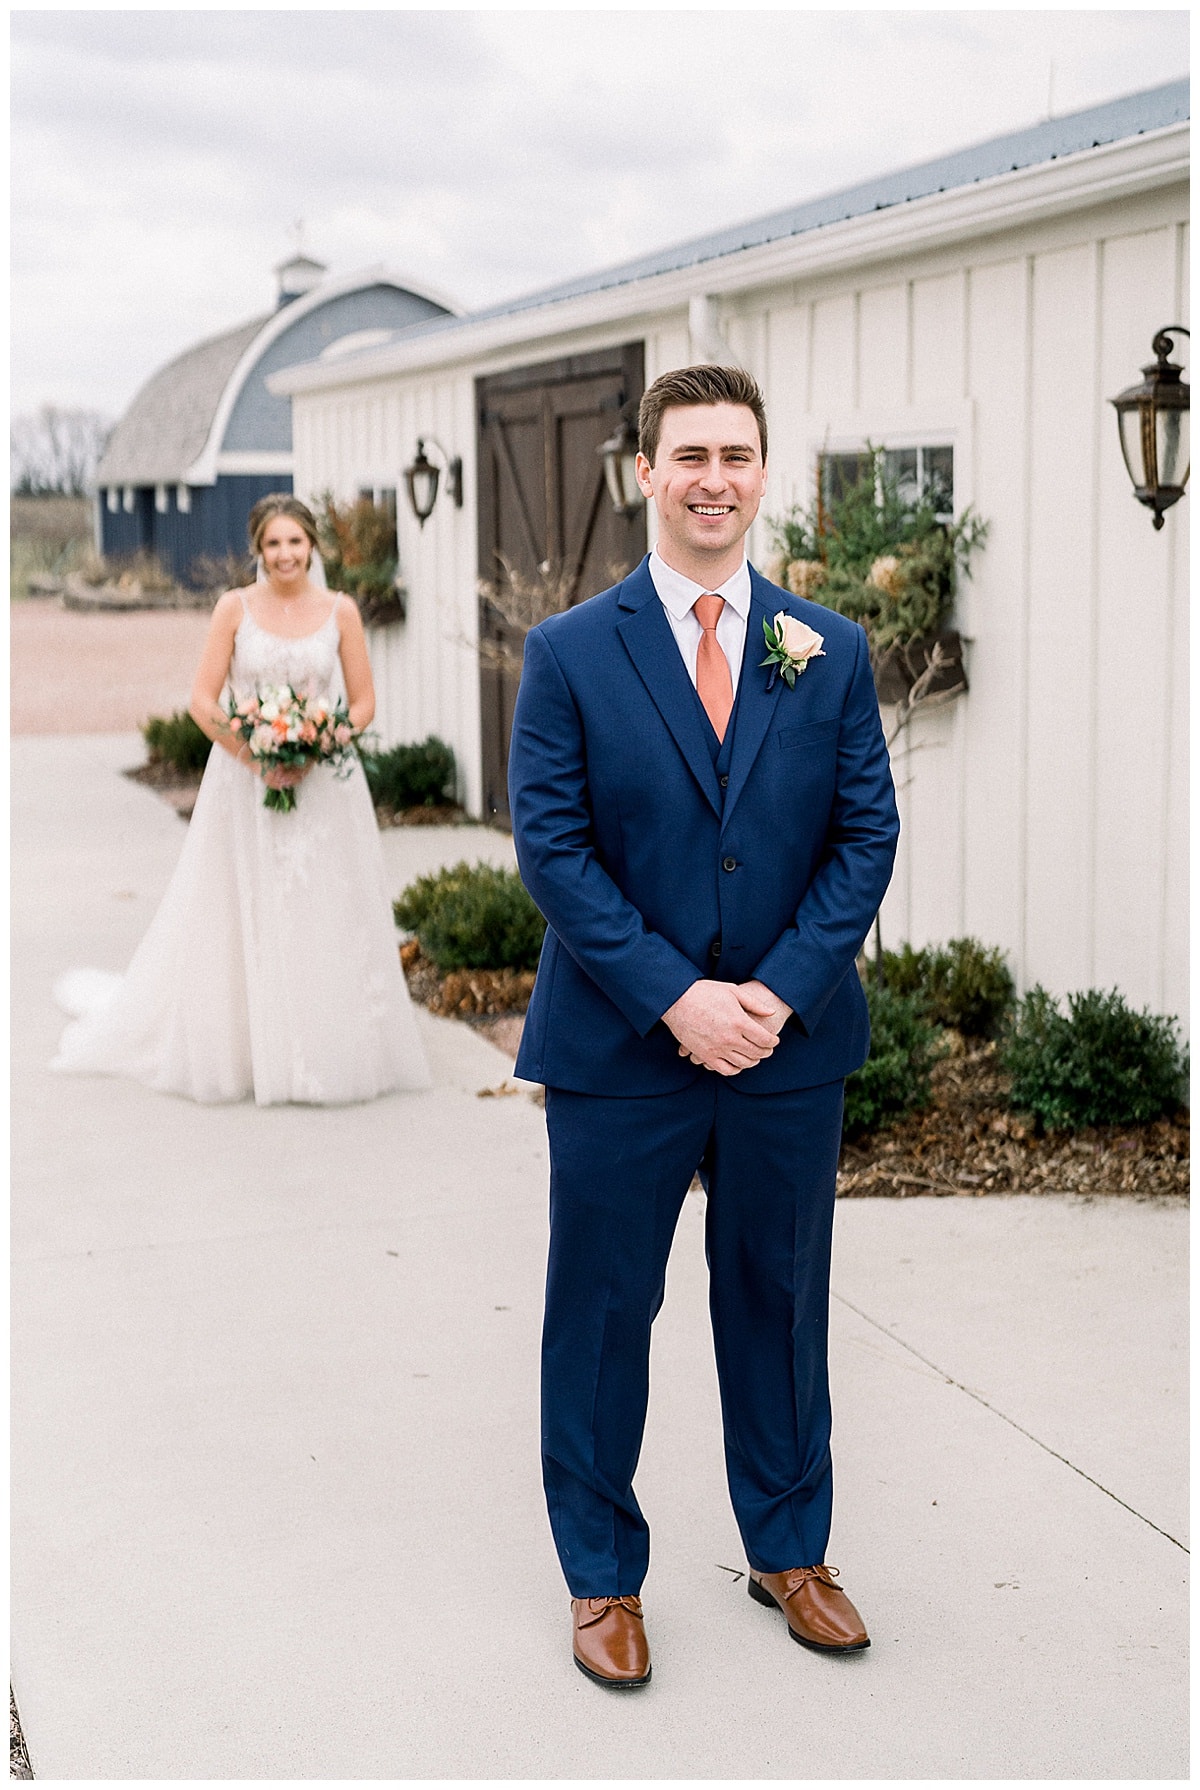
column 894, row 1080
column 963, row 984
column 1100, row 1063
column 177, row 741
column 417, row 776
column 473, row 917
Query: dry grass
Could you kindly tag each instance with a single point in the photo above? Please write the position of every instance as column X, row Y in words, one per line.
column 49, row 537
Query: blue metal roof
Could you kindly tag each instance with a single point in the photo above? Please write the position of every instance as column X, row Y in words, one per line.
column 1131, row 116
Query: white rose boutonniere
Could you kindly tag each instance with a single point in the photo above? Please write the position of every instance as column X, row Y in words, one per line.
column 791, row 643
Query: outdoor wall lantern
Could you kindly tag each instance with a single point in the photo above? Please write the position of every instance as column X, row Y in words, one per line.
column 422, row 479
column 619, row 454
column 1153, row 419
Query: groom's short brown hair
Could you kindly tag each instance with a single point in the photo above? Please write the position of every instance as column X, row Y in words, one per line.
column 705, row 384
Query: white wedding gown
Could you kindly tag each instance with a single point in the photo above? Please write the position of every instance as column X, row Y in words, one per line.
column 271, row 967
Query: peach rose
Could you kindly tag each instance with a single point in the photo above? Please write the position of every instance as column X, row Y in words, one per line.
column 800, row 642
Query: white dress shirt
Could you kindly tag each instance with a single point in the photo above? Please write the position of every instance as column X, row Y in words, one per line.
column 677, row 595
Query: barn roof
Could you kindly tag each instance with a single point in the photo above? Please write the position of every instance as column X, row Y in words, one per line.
column 173, row 430
column 167, row 425
column 1131, row 116
column 1134, row 115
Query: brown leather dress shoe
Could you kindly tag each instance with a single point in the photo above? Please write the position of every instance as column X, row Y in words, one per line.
column 819, row 1613
column 610, row 1641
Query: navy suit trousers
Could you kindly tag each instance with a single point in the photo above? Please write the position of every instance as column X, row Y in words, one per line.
column 619, row 1171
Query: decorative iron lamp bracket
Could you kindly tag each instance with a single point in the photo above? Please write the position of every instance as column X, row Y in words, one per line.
column 619, row 454
column 422, row 477
column 1153, row 419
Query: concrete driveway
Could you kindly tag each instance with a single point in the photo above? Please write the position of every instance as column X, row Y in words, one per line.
column 276, row 1503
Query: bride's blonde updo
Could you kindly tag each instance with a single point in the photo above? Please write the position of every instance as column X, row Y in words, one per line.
column 280, row 503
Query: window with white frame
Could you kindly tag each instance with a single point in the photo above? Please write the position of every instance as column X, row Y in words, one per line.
column 924, row 471
column 384, row 498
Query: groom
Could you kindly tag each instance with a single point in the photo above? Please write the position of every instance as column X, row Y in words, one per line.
column 709, row 839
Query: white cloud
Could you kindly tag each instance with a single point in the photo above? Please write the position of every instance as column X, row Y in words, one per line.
column 159, row 158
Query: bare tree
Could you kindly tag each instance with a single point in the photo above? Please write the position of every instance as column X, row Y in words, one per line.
column 56, row 451
column 520, row 601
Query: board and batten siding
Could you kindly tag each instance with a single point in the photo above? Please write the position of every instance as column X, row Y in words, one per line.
column 1045, row 811
column 425, row 669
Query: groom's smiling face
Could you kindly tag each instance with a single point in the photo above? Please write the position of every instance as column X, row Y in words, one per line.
column 707, row 481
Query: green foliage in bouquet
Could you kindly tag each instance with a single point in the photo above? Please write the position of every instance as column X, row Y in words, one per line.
column 473, row 917
column 416, row 776
column 964, row 984
column 358, row 547
column 176, row 740
column 1100, row 1063
column 877, row 556
column 894, row 1080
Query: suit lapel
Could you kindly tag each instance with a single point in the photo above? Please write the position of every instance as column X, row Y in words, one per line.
column 647, row 637
column 755, row 704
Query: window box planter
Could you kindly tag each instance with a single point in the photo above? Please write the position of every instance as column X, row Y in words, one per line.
column 898, row 667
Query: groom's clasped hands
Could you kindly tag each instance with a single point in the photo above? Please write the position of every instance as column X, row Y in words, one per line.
column 727, row 1026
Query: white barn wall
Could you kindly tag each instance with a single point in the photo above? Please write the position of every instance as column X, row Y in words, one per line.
column 1045, row 811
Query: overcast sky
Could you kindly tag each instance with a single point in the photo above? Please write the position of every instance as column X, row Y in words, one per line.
column 161, row 158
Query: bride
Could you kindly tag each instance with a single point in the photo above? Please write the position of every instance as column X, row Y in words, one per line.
column 271, row 965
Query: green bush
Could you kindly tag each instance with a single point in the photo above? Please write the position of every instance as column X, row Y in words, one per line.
column 962, row 984
column 1100, row 1063
column 894, row 1079
column 473, row 917
column 176, row 740
column 410, row 776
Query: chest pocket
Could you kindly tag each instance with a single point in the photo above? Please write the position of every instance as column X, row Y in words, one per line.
column 811, row 735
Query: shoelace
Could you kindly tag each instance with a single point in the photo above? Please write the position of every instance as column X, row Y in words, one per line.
column 599, row 1606
column 797, row 1576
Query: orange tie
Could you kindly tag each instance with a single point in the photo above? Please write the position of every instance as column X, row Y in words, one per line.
column 714, row 686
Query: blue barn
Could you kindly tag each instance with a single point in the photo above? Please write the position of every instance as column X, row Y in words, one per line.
column 204, row 439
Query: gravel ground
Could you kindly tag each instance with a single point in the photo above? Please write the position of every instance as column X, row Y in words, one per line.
column 94, row 673
column 18, row 1758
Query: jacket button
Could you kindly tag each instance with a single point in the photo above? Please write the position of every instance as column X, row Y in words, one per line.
column 728, row 863
column 715, row 948
column 724, row 783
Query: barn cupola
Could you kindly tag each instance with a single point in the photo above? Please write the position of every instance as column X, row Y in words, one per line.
column 298, row 275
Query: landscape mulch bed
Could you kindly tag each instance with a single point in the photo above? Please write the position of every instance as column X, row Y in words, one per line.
column 966, row 1142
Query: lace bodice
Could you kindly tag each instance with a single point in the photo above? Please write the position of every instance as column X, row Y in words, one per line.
column 310, row 663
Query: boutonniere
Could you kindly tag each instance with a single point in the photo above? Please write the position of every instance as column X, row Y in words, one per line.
column 790, row 645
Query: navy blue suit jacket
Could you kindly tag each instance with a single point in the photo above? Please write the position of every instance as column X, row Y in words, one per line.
column 641, row 863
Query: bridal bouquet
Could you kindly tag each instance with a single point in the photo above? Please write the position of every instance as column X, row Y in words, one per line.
column 284, row 728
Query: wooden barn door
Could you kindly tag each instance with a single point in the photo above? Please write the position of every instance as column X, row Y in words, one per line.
column 548, row 533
